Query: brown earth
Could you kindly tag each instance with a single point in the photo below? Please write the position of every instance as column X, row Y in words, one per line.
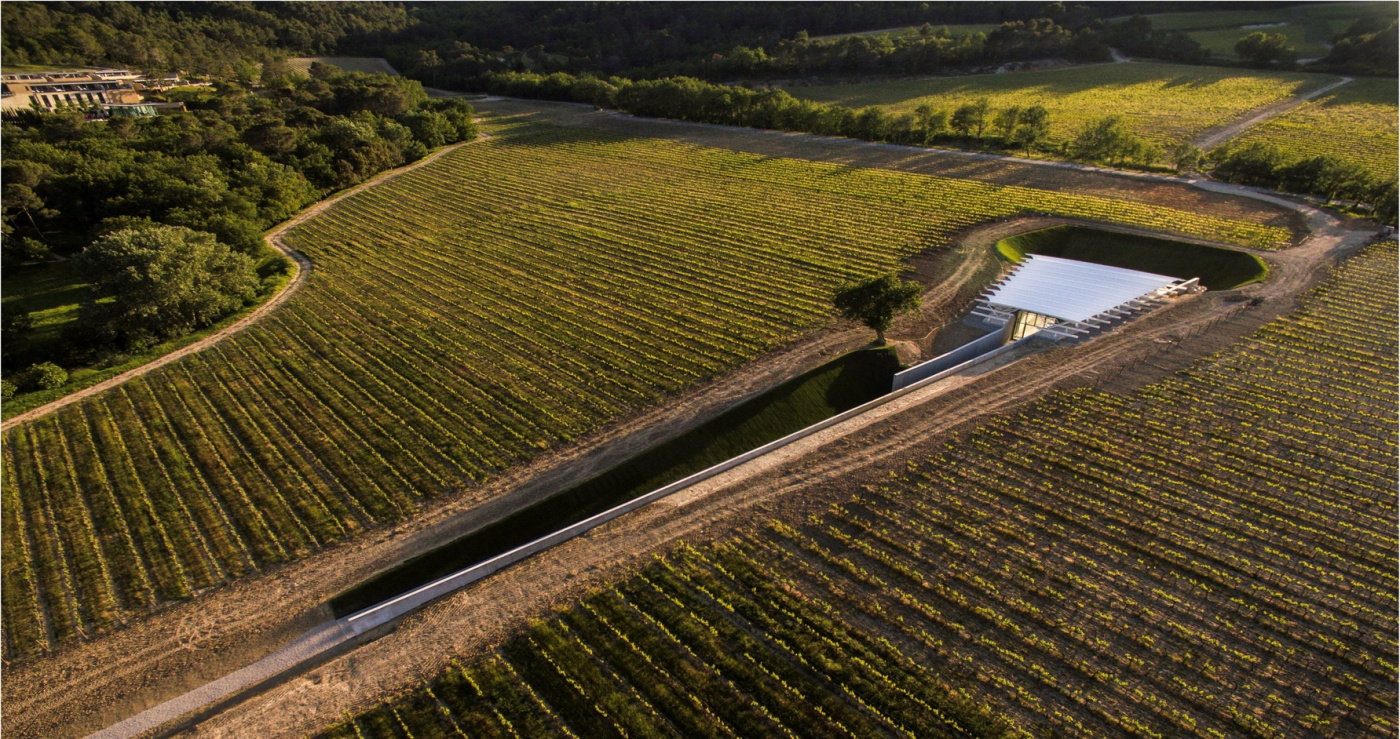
column 88, row 686
column 780, row 484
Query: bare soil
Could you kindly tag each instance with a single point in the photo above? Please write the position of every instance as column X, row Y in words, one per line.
column 88, row 686
column 791, row 482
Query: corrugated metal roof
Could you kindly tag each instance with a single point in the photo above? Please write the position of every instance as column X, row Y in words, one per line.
column 1071, row 290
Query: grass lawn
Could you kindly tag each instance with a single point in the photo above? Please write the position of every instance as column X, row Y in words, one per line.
column 49, row 293
column 1163, row 103
column 834, row 387
column 1219, row 269
column 1355, row 122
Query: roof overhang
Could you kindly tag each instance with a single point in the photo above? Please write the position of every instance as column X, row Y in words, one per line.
column 1081, row 295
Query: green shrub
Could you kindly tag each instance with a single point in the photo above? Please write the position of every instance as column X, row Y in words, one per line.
column 7, row 390
column 46, row 376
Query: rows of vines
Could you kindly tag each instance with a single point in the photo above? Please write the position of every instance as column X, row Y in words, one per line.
column 508, row 299
column 1211, row 556
column 1163, row 103
column 1356, row 123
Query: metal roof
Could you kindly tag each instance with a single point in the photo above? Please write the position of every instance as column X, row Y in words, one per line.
column 1071, row 290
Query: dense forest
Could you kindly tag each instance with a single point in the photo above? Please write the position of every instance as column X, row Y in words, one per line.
column 233, row 165
column 262, row 143
column 639, row 39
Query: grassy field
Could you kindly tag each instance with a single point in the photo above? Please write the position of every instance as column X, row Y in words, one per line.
column 1213, row 555
column 1308, row 27
column 1356, row 122
column 509, row 298
column 1163, row 103
column 1218, row 269
column 833, row 388
column 49, row 293
column 366, row 64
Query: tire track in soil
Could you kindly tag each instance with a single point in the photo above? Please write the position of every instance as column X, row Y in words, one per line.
column 76, row 692
column 787, row 482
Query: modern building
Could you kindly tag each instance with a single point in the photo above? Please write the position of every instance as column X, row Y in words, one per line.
column 89, row 89
column 1065, row 298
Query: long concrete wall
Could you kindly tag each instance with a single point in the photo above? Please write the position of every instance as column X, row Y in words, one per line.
column 387, row 611
column 332, row 635
column 970, row 350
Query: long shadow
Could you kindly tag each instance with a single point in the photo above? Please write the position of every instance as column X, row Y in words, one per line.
column 836, row 386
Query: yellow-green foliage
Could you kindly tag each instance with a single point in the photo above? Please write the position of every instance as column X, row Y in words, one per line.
column 366, row 64
column 515, row 295
column 1355, row 122
column 1163, row 103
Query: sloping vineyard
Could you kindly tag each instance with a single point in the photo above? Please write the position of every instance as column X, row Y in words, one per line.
column 1163, row 103
column 509, row 298
column 1357, row 123
column 1212, row 556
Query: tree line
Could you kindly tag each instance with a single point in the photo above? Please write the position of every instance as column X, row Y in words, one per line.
column 974, row 124
column 1331, row 178
column 237, row 162
column 1104, row 140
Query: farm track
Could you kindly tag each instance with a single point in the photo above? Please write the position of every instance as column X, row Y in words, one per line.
column 301, row 267
column 1210, row 139
column 256, row 598
column 782, row 482
column 880, row 435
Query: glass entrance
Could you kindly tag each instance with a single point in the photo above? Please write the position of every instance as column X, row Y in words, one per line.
column 1028, row 323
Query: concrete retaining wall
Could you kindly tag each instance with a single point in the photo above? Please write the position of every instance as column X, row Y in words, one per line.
column 970, row 350
column 378, row 615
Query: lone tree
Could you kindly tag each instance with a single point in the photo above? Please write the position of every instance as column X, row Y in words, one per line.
column 154, row 283
column 876, row 301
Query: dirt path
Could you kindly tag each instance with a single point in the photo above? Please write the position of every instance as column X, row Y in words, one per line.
column 184, row 646
column 786, row 482
column 1215, row 137
column 301, row 270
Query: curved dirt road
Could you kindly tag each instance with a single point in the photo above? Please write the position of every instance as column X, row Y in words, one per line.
column 479, row 616
column 714, row 503
column 301, row 267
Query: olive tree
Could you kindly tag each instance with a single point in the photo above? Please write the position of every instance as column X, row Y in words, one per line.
column 876, row 301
